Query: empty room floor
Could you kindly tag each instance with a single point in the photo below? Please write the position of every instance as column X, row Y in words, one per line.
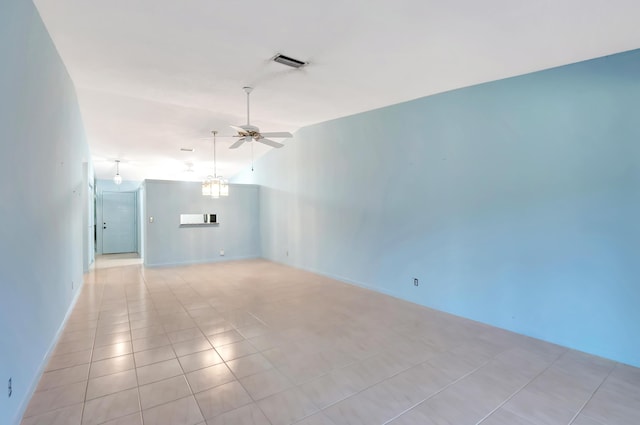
column 254, row 342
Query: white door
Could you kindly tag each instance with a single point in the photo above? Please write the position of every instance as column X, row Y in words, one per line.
column 118, row 222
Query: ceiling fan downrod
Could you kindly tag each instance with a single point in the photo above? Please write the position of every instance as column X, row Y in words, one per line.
column 248, row 90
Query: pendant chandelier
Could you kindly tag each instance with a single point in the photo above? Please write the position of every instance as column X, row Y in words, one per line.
column 215, row 186
column 117, row 179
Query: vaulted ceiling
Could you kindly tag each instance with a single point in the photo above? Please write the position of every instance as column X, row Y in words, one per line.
column 153, row 76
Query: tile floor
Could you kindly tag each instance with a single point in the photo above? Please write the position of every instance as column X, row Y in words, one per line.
column 117, row 260
column 253, row 342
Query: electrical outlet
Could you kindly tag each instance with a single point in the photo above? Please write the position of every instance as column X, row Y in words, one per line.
column 222, row 252
column 415, row 281
column 10, row 388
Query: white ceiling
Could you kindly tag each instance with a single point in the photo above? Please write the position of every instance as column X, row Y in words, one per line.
column 156, row 75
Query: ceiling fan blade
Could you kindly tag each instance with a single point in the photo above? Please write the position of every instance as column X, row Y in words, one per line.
column 277, row 134
column 237, row 143
column 269, row 142
column 238, row 129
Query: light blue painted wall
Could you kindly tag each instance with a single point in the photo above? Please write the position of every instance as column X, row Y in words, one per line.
column 42, row 147
column 103, row 185
column 516, row 203
column 167, row 243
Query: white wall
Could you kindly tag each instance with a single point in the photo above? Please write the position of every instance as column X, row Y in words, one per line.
column 42, row 148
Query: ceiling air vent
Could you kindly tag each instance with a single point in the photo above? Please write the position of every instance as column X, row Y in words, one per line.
column 286, row 60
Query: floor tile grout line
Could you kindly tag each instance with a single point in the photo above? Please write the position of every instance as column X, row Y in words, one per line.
column 593, row 393
column 439, row 391
column 248, row 393
column 57, row 386
column 520, row 389
column 100, row 311
column 373, row 385
column 86, row 389
column 234, row 375
column 356, row 361
column 51, row 411
column 492, row 358
column 258, row 319
column 133, row 357
column 184, row 374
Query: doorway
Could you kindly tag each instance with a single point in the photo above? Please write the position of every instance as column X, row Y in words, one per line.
column 119, row 222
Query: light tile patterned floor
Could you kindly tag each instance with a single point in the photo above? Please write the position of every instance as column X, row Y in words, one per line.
column 253, row 342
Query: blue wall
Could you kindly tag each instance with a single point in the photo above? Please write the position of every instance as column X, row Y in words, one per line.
column 516, row 203
column 42, row 147
column 168, row 243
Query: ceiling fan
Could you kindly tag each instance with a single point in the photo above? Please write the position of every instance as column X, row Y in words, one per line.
column 249, row 133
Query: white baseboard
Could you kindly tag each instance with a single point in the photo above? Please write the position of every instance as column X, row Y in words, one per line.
column 202, row 261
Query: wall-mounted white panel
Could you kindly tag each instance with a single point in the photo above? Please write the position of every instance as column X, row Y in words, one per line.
column 198, row 219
